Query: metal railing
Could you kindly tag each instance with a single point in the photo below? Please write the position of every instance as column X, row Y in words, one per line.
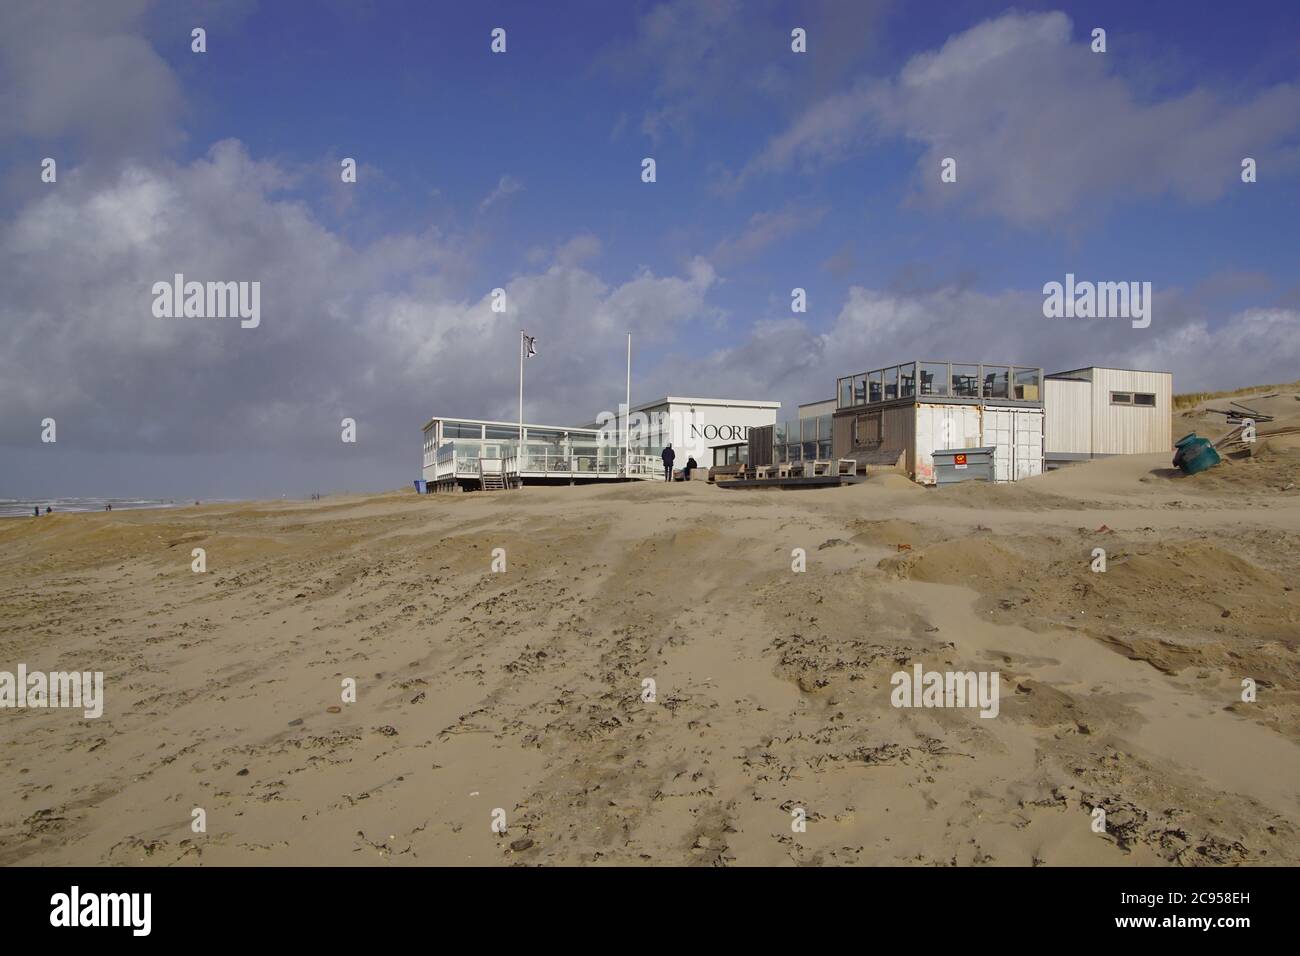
column 463, row 459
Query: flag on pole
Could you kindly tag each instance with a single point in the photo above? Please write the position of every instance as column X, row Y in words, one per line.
column 529, row 342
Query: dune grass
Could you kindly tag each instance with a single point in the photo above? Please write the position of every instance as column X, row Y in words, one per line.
column 1192, row 399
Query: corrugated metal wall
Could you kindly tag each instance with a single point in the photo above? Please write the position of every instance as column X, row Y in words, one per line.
column 1017, row 436
column 1068, row 427
column 942, row 425
column 1131, row 429
column 760, row 445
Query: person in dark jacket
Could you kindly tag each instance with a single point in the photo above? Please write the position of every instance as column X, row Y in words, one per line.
column 691, row 464
column 668, row 456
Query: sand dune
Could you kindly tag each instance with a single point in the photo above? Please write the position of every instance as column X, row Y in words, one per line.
column 522, row 690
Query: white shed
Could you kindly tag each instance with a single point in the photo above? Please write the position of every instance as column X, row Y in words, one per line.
column 1095, row 412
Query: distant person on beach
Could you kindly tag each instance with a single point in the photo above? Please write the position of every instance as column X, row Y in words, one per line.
column 48, row 509
column 36, row 512
column 691, row 464
column 668, row 456
column 109, row 506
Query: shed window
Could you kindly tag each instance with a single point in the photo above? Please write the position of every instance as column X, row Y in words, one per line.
column 1133, row 398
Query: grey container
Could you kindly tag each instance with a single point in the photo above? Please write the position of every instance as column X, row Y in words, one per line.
column 952, row 465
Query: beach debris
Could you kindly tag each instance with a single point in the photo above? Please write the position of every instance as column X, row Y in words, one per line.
column 523, row 843
column 333, row 709
column 297, row 722
column 1195, row 454
column 903, row 547
column 1104, row 529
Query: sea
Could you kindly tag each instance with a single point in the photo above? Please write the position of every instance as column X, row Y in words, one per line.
column 22, row 507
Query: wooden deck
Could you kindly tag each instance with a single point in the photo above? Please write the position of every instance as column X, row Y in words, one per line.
column 812, row 481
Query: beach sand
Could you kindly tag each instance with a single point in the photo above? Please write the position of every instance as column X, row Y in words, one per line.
column 521, row 691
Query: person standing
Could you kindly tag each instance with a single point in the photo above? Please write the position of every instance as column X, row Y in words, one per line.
column 668, row 456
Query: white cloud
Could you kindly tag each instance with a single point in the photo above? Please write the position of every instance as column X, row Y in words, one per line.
column 1039, row 125
column 506, row 187
column 378, row 332
column 791, row 361
column 81, row 71
column 766, row 229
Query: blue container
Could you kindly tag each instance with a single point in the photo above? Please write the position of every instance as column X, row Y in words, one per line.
column 1195, row 454
column 420, row 487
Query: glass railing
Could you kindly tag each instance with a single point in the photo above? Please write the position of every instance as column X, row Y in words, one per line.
column 461, row 457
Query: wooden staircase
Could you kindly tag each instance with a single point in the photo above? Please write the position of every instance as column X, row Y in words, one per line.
column 492, row 475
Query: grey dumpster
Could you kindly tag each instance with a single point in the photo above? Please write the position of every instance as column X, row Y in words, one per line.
column 963, row 464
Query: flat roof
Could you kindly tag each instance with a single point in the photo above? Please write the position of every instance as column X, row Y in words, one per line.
column 515, row 425
column 1107, row 368
column 715, row 402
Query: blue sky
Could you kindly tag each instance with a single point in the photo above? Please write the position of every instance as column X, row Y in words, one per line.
column 521, row 170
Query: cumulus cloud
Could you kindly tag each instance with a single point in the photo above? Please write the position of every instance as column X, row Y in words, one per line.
column 798, row 362
column 1039, row 125
column 374, row 332
column 82, row 71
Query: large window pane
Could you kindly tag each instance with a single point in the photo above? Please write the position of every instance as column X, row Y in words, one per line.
column 463, row 430
column 891, row 383
column 501, row 431
column 965, row 381
column 907, row 380
column 875, row 388
column 846, row 392
column 934, row 378
column 824, row 426
column 1026, row 385
column 859, row 389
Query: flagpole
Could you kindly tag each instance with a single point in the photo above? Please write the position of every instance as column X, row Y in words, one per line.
column 627, row 415
column 521, row 391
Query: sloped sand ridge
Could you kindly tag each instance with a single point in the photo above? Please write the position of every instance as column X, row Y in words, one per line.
column 524, row 689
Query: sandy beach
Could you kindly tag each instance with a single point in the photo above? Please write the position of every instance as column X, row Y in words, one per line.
column 522, row 690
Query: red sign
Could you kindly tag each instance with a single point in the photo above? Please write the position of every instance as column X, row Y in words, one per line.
column 959, row 460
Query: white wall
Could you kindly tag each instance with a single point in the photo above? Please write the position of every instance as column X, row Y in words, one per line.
column 943, row 425
column 1068, row 404
column 699, row 428
column 1015, row 434
column 1127, row 429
